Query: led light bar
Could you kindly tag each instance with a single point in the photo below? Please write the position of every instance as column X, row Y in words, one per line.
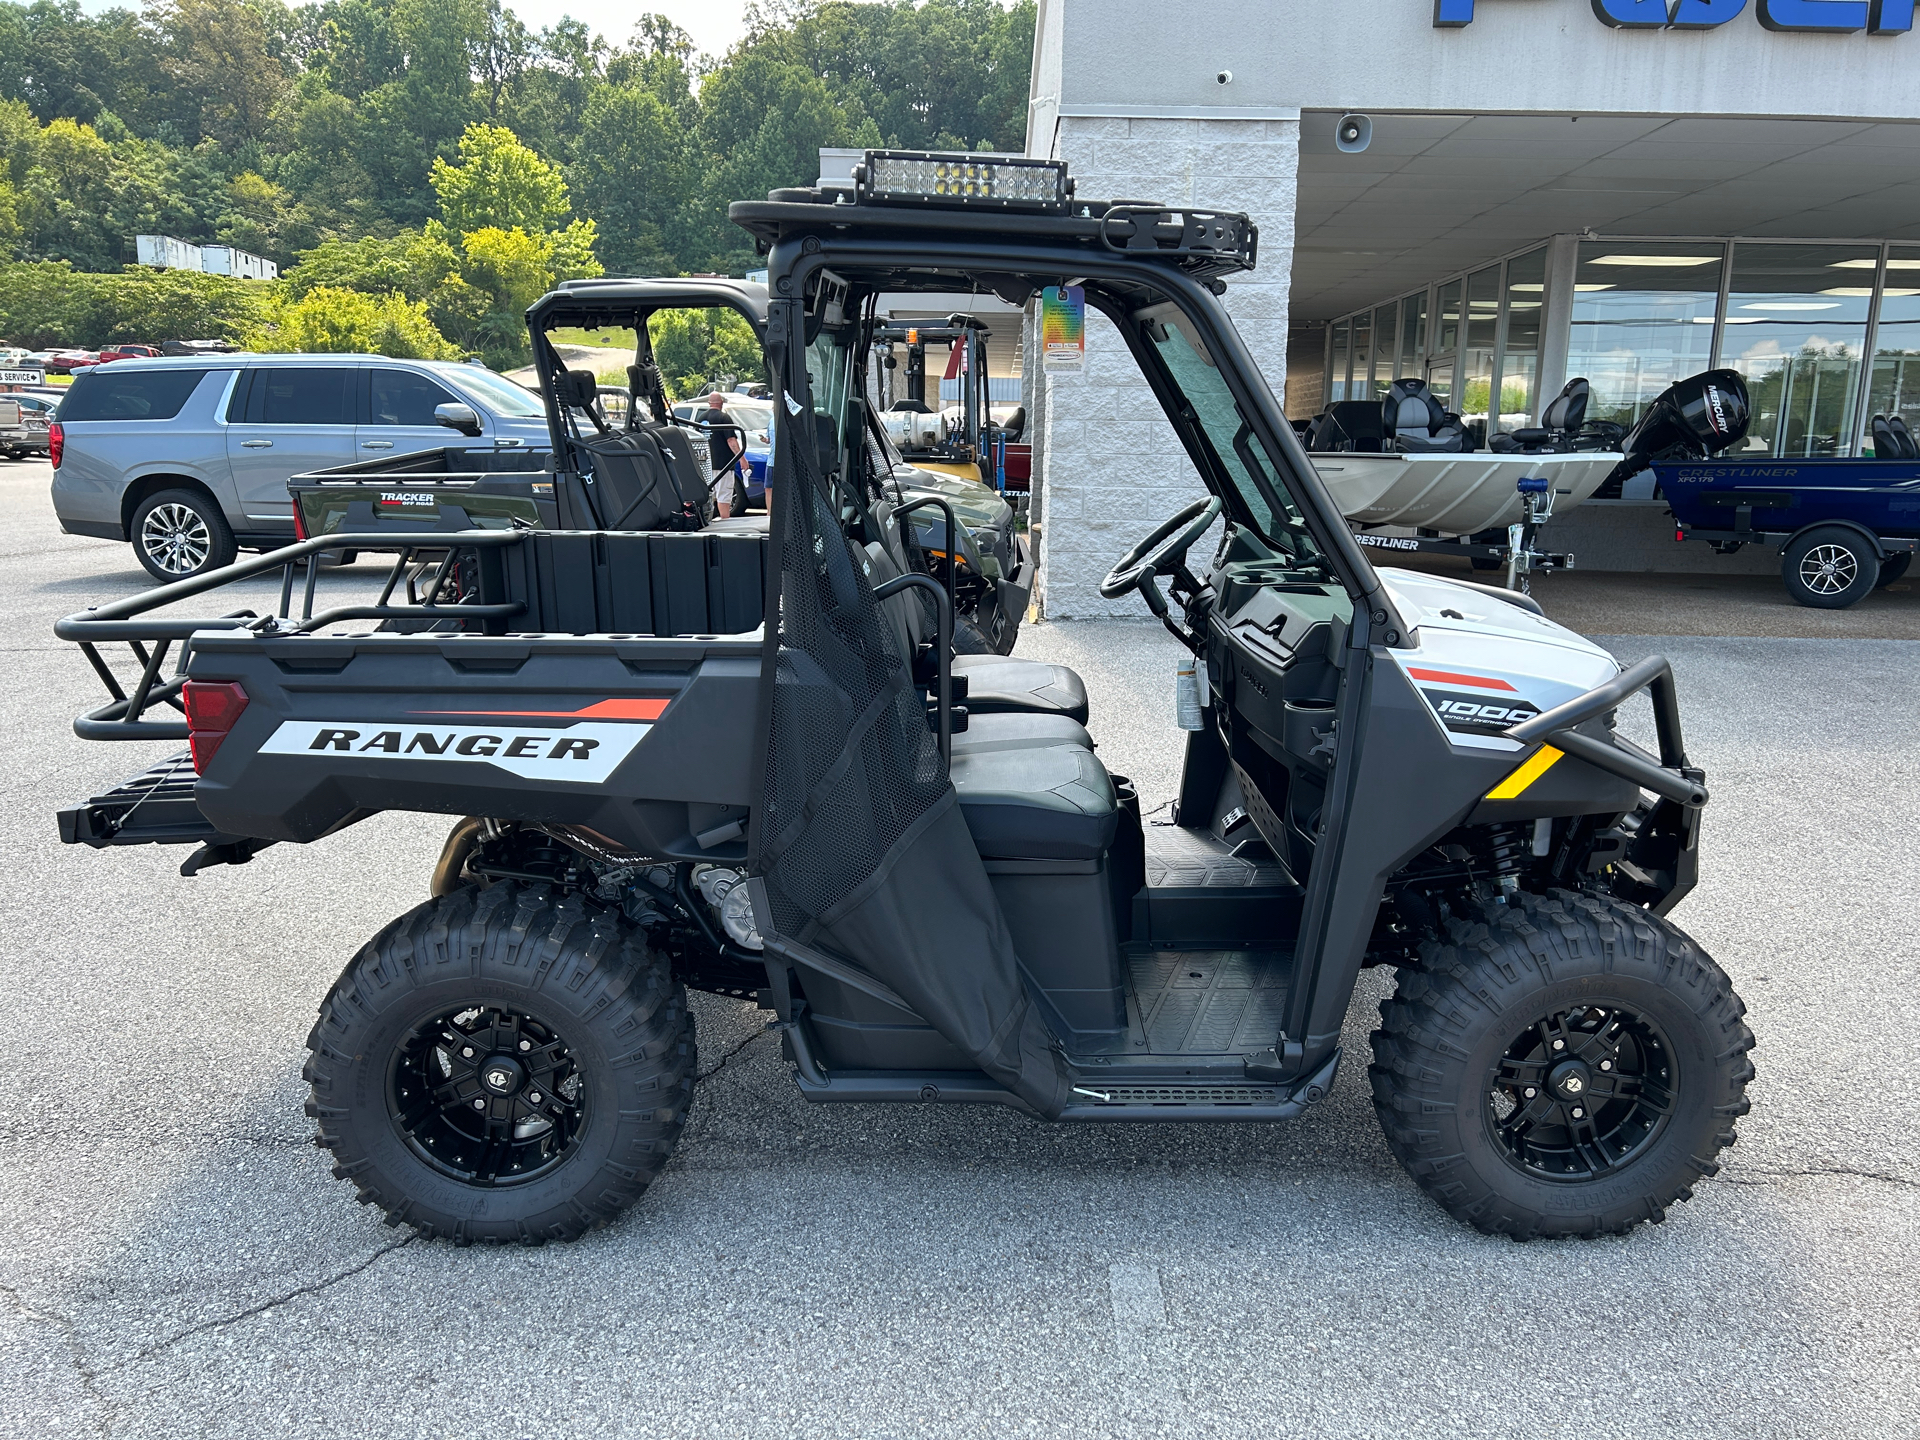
column 918, row 177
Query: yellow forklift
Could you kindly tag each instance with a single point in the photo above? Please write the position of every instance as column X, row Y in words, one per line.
column 922, row 434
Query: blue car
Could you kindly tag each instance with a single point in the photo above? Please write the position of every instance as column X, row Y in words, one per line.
column 755, row 419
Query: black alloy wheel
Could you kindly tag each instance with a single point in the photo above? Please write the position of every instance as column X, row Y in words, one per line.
column 502, row 1063
column 1581, row 1092
column 1566, row 1064
column 487, row 1096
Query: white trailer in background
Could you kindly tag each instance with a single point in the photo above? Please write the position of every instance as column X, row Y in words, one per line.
column 166, row 253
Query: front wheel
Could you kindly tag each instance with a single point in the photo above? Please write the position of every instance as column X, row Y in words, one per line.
column 502, row 1064
column 1571, row 1066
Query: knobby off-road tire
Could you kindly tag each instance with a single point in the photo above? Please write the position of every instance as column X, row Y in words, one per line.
column 501, row 1064
column 1477, row 1099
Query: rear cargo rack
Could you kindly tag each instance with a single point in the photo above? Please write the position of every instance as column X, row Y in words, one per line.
column 424, row 566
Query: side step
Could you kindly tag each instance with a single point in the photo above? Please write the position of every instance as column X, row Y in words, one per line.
column 155, row 807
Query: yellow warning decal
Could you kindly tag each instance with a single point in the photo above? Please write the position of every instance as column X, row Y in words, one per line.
column 1537, row 765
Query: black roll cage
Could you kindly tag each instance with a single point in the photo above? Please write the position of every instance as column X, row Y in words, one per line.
column 899, row 264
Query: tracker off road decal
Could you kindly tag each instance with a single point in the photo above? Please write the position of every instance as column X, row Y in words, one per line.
column 585, row 753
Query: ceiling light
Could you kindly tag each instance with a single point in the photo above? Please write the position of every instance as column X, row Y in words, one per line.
column 1791, row 305
column 1657, row 262
column 1874, row 265
column 1586, row 289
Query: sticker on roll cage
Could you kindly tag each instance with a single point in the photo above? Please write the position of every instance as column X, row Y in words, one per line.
column 584, row 754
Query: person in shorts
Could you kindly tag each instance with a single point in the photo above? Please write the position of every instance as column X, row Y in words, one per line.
column 727, row 448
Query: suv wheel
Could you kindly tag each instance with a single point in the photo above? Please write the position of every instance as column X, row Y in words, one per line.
column 502, row 1064
column 1572, row 1066
column 181, row 533
column 1829, row 569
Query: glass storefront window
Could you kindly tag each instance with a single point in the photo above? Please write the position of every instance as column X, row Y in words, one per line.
column 1476, row 369
column 1337, row 367
column 1441, row 363
column 1413, row 334
column 1385, row 321
column 1642, row 319
column 1796, row 328
column 1520, row 370
column 1895, row 387
column 1362, row 385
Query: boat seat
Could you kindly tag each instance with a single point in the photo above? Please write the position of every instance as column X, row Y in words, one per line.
column 1347, row 425
column 1414, row 423
column 1909, row 448
column 1892, row 440
column 1560, row 422
column 996, row 684
column 1036, row 799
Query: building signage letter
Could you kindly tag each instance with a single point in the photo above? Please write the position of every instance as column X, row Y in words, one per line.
column 1890, row 17
column 1705, row 14
column 1822, row 17
column 1631, row 14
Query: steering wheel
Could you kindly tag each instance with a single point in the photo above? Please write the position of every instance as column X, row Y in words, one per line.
column 1168, row 543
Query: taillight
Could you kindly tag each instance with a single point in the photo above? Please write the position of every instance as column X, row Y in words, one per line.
column 299, row 521
column 56, row 442
column 212, row 708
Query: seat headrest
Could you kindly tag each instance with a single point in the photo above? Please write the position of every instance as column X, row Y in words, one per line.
column 579, row 387
column 1409, row 408
column 1909, row 449
column 1568, row 410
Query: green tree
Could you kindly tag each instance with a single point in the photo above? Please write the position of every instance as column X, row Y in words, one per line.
column 499, row 183
column 217, row 50
column 326, row 320
column 633, row 177
column 695, row 348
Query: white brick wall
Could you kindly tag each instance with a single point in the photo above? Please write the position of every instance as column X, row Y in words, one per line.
column 1110, row 464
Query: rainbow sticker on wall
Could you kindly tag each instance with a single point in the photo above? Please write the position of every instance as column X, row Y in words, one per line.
column 1063, row 327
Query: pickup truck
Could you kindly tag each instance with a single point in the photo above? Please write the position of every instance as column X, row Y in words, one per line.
column 641, row 465
column 24, row 428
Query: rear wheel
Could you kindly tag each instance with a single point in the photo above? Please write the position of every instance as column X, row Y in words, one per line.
column 1572, row 1066
column 502, row 1064
column 1830, row 569
column 178, row 534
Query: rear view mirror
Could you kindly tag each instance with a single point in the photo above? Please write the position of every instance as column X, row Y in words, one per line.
column 457, row 417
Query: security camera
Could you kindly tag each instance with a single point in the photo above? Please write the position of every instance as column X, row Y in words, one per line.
column 1225, row 77
column 1353, row 134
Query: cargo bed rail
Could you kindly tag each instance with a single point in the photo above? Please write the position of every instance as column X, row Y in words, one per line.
column 425, row 564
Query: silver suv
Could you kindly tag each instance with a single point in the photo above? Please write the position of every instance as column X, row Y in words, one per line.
column 189, row 458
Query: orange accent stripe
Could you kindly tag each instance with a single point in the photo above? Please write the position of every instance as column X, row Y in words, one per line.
column 599, row 710
column 1448, row 677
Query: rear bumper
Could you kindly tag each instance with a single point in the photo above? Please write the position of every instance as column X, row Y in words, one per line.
column 94, row 529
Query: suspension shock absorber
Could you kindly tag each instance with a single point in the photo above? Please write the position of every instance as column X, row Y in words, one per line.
column 1508, row 848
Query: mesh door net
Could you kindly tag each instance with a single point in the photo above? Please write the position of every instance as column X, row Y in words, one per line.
column 861, row 842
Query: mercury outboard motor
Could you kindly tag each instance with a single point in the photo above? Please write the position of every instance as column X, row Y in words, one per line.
column 1692, row 419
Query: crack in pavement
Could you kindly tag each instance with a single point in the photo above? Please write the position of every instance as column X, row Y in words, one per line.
column 1881, row 1175
column 720, row 1064
column 294, row 1294
column 70, row 1340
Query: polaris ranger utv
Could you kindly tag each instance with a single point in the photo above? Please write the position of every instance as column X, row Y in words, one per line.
column 738, row 762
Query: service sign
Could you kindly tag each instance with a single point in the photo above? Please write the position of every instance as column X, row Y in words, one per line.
column 1807, row 17
column 22, row 375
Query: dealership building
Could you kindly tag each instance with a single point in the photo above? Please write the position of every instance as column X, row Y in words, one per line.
column 1626, row 190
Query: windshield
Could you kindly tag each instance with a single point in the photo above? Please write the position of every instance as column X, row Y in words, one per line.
column 1243, row 460
column 501, row 395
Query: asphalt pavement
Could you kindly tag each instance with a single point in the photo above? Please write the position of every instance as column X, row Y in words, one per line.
column 175, row 1258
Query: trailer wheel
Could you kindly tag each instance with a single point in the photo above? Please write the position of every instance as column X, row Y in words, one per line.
column 1572, row 1066
column 502, row 1064
column 1830, row 568
column 1893, row 567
